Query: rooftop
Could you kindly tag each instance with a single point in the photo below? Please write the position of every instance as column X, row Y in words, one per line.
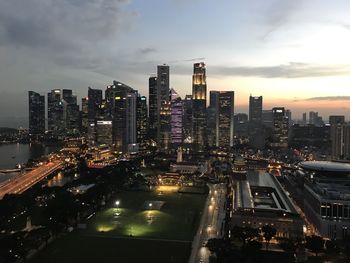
column 326, row 166
column 262, row 190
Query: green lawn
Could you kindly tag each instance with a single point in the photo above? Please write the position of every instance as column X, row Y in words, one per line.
column 177, row 219
column 75, row 248
column 163, row 235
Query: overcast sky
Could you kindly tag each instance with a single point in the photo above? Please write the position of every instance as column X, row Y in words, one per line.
column 293, row 52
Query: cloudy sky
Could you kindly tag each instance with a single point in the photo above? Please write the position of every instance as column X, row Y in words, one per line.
column 293, row 52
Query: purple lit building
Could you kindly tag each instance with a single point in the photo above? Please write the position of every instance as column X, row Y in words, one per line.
column 176, row 118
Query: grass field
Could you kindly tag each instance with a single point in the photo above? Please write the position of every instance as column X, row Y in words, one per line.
column 133, row 231
column 177, row 218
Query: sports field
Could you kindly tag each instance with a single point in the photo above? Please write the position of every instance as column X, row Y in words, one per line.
column 131, row 230
column 151, row 215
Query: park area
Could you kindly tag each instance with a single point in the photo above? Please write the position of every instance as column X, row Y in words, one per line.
column 135, row 227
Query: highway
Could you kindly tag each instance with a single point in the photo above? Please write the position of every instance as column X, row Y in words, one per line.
column 20, row 184
column 210, row 224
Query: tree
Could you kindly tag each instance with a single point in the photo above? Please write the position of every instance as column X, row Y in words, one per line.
column 244, row 234
column 268, row 232
column 315, row 244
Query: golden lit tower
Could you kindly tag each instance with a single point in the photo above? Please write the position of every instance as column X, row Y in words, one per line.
column 199, row 96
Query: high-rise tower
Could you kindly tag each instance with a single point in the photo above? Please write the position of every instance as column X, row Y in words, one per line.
column 153, row 107
column 163, row 108
column 36, row 113
column 199, row 99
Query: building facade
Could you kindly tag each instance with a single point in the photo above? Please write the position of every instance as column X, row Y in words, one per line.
column 199, row 100
column 36, row 113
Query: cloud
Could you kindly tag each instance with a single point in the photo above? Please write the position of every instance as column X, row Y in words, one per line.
column 290, row 70
column 278, row 14
column 147, row 50
column 61, row 28
column 329, row 98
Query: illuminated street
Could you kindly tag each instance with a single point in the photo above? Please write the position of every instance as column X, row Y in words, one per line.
column 211, row 223
column 24, row 182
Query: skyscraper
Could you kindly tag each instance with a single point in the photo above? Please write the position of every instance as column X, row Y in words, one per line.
column 141, row 122
column 71, row 115
column 84, row 115
column 223, row 102
column 55, row 118
column 199, row 100
column 255, row 110
column 36, row 113
column 94, row 101
column 280, row 128
column 122, row 101
column 153, row 107
column 337, row 135
column 176, row 118
column 187, row 119
column 163, row 108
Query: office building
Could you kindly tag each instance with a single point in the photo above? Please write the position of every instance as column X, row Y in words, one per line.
column 337, row 135
column 280, row 128
column 255, row 122
column 104, row 133
column 94, row 101
column 36, row 113
column 121, row 103
column 241, row 125
column 71, row 115
column 327, row 197
column 164, row 108
column 153, row 107
column 141, row 122
column 199, row 100
column 55, row 116
column 255, row 110
column 187, row 119
column 84, row 115
column 223, row 103
column 176, row 119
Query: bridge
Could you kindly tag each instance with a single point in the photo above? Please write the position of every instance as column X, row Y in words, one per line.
column 22, row 183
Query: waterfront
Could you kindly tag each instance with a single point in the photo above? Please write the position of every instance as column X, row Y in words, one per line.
column 13, row 154
column 17, row 153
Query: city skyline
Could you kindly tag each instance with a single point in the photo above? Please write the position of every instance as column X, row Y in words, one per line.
column 291, row 53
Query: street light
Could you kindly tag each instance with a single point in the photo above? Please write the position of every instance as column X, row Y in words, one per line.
column 150, row 205
column 117, row 203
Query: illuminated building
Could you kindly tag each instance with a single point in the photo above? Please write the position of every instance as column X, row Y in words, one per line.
column 84, row 115
column 255, row 110
column 122, row 101
column 199, row 100
column 280, row 128
column 94, row 101
column 337, row 135
column 326, row 197
column 104, row 132
column 141, row 121
column 163, row 108
column 187, row 119
column 255, row 122
column 259, row 199
column 55, row 121
column 176, row 118
column 36, row 113
column 223, row 103
column 71, row 113
column 153, row 107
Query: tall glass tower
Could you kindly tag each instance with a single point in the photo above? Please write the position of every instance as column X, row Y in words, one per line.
column 199, row 100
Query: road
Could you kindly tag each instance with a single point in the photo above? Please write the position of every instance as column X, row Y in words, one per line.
column 210, row 224
column 19, row 184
